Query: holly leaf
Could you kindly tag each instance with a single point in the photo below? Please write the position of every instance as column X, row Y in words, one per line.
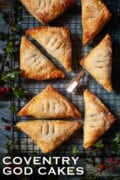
column 16, row 129
column 5, row 120
column 15, row 28
column 10, row 47
column 99, row 144
column 10, row 75
column 9, row 147
column 8, row 137
column 13, row 109
column 75, row 151
column 117, row 138
column 19, row 92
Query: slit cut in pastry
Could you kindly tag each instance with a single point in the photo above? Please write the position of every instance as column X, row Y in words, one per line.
column 56, row 41
column 49, row 134
column 47, row 10
column 98, row 119
column 99, row 63
column 50, row 104
column 34, row 65
column 95, row 15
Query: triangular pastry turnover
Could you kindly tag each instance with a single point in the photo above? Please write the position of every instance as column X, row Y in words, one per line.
column 56, row 41
column 99, row 63
column 50, row 104
column 34, row 65
column 95, row 15
column 98, row 119
column 47, row 10
column 48, row 135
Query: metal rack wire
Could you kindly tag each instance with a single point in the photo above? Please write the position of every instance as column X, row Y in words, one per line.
column 72, row 19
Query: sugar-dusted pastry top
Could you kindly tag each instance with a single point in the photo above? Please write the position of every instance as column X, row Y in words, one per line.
column 99, row 63
column 34, row 64
column 50, row 104
column 95, row 15
column 47, row 10
column 48, row 135
column 56, row 41
column 98, row 119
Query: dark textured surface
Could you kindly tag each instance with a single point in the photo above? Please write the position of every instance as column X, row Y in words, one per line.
column 71, row 19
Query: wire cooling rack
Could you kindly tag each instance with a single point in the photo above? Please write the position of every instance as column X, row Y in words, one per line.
column 72, row 19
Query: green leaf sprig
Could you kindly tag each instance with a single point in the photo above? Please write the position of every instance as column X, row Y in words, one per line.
column 10, row 75
column 99, row 144
column 117, row 138
column 20, row 93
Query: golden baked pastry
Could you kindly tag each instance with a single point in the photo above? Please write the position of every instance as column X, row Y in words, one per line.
column 99, row 63
column 35, row 65
column 56, row 41
column 98, row 119
column 50, row 104
column 47, row 10
column 95, row 15
column 49, row 134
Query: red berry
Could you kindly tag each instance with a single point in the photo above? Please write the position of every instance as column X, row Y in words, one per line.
column 102, row 167
column 7, row 89
column 6, row 128
column 112, row 169
column 111, row 159
column 117, row 163
column 2, row 89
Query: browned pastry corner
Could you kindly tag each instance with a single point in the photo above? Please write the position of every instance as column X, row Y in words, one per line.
column 50, row 104
column 98, row 119
column 46, row 11
column 48, row 135
column 95, row 15
column 99, row 63
column 35, row 65
column 56, row 41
